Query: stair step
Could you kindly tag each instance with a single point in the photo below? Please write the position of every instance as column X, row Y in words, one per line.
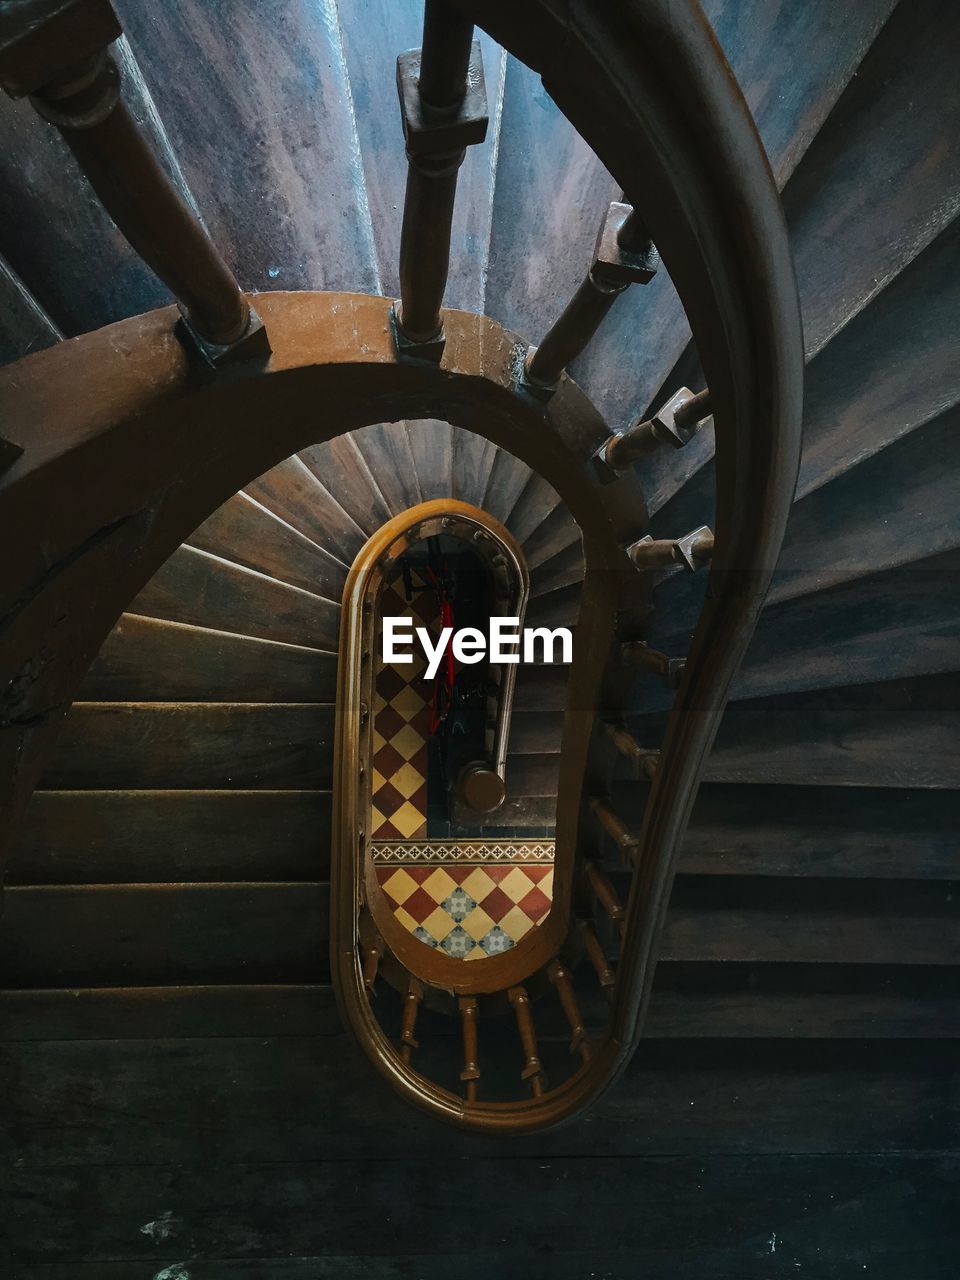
column 112, row 837
column 690, row 1001
column 149, row 659
column 901, row 623
column 565, row 569
column 265, row 216
column 205, row 591
column 246, row 533
column 112, row 935
column 194, row 745
column 431, row 444
column 292, row 492
column 843, row 832
column 901, row 733
column 340, row 464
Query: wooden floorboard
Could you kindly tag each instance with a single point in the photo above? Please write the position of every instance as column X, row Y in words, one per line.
column 149, row 1101
column 762, row 1218
column 690, row 1001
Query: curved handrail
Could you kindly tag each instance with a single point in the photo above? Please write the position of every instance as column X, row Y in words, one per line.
column 646, row 84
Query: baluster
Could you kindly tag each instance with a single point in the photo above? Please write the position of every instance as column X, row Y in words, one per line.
column 606, row 895
column 470, row 1074
column 643, row 759
column 443, row 105
column 691, row 552
column 598, row 957
column 60, row 60
column 675, row 424
column 373, row 952
column 639, row 655
column 559, row 975
column 624, row 255
column 411, row 1007
column 533, row 1068
column 619, row 833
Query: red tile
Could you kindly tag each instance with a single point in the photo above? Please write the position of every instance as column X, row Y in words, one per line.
column 387, row 722
column 420, row 905
column 537, row 873
column 389, row 683
column 496, row 904
column 499, row 871
column 388, row 761
column 388, row 800
column 535, row 904
column 420, row 871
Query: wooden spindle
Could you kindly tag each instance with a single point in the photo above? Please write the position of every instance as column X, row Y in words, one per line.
column 443, row 109
column 373, row 953
column 533, row 1068
column 444, row 55
column 643, row 759
column 560, row 976
column 598, row 957
column 641, row 657
column 470, row 1074
column 411, row 1007
column 691, row 552
column 606, row 895
column 625, row 840
column 571, row 332
column 675, row 424
column 76, row 87
column 624, row 255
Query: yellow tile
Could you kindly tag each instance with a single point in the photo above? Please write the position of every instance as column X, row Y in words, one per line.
column 477, row 923
column 515, row 884
column 546, row 884
column 376, row 820
column 406, row 919
column 477, row 953
column 516, row 923
column 408, row 820
column 378, row 781
column 478, row 884
column 407, row 702
column 379, row 702
column 407, row 741
column 400, row 885
column 407, row 780
column 439, row 924
column 439, row 884
column 378, row 741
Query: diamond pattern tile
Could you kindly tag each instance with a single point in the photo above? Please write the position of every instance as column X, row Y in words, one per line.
column 468, row 911
column 401, row 728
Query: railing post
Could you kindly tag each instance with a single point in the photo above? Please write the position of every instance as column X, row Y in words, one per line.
column 443, row 105
column 61, row 61
column 675, row 424
column 624, row 255
column 470, row 1075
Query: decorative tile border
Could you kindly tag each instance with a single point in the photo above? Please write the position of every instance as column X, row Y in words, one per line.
column 460, row 851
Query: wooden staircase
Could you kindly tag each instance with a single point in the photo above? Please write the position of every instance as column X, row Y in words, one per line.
column 149, row 927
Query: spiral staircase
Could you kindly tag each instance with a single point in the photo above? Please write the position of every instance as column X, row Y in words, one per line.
column 165, row 934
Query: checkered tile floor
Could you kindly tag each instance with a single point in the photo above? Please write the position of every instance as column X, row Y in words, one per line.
column 401, row 728
column 468, row 911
